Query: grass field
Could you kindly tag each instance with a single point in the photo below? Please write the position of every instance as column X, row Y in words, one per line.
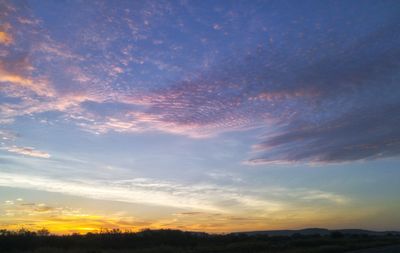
column 174, row 241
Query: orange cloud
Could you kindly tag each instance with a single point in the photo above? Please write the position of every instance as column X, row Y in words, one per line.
column 14, row 78
column 5, row 37
column 40, row 87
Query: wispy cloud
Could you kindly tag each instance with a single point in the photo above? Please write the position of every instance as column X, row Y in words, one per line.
column 29, row 151
column 199, row 197
column 143, row 191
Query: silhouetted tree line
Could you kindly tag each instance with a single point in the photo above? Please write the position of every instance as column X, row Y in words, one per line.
column 181, row 241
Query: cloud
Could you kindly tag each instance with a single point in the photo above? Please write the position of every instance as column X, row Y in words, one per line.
column 46, row 50
column 143, row 191
column 355, row 114
column 191, row 206
column 190, row 213
column 63, row 219
column 28, row 151
column 337, row 107
column 14, row 73
column 7, row 136
column 329, row 97
column 193, row 198
column 41, row 208
column 5, row 38
column 362, row 135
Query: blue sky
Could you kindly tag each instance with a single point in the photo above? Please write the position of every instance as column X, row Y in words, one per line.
column 201, row 115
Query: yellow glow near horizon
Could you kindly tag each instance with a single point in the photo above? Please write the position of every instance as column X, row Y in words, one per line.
column 63, row 220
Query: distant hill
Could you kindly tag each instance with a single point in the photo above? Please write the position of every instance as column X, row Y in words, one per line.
column 318, row 231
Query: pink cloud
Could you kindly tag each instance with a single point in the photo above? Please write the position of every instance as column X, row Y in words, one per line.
column 28, row 151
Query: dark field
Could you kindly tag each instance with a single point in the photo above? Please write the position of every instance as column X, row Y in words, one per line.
column 387, row 249
column 174, row 241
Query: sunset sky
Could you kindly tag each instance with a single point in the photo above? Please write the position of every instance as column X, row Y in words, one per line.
column 211, row 116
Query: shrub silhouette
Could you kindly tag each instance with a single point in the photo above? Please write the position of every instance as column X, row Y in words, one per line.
column 167, row 240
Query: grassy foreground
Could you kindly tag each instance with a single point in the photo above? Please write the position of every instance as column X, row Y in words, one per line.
column 175, row 241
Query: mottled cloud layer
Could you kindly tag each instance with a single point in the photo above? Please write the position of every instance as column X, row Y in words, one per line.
column 324, row 87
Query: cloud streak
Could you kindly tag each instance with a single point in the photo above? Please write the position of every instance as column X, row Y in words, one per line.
column 198, row 197
column 28, row 151
column 142, row 191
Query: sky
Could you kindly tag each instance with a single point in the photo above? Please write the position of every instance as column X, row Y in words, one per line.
column 213, row 116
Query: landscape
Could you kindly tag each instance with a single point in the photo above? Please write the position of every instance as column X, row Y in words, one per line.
column 199, row 126
column 169, row 241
